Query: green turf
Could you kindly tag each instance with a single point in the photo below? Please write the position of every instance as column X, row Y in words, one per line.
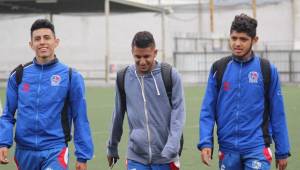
column 100, row 104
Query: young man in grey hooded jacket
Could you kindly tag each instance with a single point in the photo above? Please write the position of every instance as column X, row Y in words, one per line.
column 155, row 126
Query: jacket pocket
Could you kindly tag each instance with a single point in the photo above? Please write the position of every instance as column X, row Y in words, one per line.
column 138, row 142
column 159, row 137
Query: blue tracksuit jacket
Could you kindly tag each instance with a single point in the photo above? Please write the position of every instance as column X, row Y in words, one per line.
column 238, row 109
column 39, row 100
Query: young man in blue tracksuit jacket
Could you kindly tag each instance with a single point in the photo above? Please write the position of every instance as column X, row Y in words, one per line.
column 238, row 109
column 155, row 127
column 39, row 100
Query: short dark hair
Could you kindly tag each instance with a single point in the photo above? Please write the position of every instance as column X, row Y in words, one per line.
column 244, row 23
column 42, row 23
column 143, row 39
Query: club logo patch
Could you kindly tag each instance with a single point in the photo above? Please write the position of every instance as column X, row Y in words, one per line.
column 256, row 164
column 55, row 80
column 222, row 167
column 226, row 86
column 253, row 77
column 26, row 87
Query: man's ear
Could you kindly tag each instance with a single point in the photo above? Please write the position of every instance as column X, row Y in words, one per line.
column 155, row 52
column 57, row 40
column 30, row 44
column 255, row 39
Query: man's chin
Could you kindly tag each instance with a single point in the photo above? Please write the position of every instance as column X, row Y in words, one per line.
column 43, row 56
column 239, row 55
column 144, row 70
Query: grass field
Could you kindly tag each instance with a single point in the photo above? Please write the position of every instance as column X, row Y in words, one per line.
column 100, row 104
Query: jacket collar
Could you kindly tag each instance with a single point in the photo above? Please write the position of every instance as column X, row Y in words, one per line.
column 52, row 62
column 235, row 58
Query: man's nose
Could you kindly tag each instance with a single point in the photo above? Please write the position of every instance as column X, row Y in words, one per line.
column 42, row 41
column 142, row 61
column 237, row 42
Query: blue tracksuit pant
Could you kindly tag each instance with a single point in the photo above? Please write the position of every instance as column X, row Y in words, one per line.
column 257, row 159
column 52, row 159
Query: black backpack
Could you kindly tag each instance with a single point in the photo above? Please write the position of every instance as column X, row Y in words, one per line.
column 64, row 112
column 219, row 68
column 166, row 73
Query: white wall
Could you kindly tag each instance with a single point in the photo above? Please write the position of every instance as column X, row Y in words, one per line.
column 83, row 36
column 274, row 22
column 15, row 36
column 296, row 9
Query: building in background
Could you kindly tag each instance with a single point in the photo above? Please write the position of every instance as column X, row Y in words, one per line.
column 83, row 35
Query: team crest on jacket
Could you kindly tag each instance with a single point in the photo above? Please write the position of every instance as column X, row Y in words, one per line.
column 226, row 86
column 253, row 77
column 55, row 80
column 26, row 87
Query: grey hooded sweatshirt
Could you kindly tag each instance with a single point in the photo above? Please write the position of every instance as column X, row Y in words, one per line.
column 155, row 127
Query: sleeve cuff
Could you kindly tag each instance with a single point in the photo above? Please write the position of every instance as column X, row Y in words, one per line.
column 4, row 146
column 200, row 147
column 282, row 156
column 112, row 151
column 81, row 160
column 169, row 153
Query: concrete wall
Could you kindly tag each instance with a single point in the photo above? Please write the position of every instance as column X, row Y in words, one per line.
column 296, row 10
column 83, row 36
column 274, row 23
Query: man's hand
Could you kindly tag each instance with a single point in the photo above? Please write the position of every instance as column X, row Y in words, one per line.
column 112, row 160
column 281, row 164
column 81, row 166
column 4, row 155
column 206, row 156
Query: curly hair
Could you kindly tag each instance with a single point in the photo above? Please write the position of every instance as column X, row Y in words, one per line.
column 42, row 23
column 244, row 23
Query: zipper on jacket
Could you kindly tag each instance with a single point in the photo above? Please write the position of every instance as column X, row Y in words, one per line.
column 147, row 120
column 37, row 107
column 238, row 105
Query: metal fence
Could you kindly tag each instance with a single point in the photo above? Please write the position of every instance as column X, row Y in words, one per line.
column 194, row 66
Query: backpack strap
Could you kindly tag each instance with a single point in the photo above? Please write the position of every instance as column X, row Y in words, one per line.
column 219, row 68
column 265, row 67
column 266, row 73
column 19, row 72
column 64, row 113
column 166, row 74
column 19, row 75
column 121, row 86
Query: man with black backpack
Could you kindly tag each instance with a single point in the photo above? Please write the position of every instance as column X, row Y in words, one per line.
column 48, row 97
column 243, row 97
column 152, row 95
